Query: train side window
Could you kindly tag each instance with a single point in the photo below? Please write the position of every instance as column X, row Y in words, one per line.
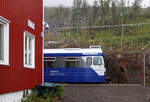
column 49, row 62
column 89, row 61
column 72, row 62
column 97, row 61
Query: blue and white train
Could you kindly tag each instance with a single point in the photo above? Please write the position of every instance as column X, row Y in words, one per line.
column 74, row 65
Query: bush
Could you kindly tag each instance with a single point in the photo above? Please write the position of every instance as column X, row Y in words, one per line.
column 48, row 96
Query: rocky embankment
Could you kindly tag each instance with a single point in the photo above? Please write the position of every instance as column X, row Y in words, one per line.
column 127, row 67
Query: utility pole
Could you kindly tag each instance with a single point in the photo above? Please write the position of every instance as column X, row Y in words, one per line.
column 144, row 57
column 77, row 24
column 122, row 31
column 144, row 69
column 78, row 29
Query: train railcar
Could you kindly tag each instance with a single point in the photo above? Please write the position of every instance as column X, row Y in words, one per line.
column 74, row 65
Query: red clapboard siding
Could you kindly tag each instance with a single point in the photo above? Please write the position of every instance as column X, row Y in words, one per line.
column 15, row 77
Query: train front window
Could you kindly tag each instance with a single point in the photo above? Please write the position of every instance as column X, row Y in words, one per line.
column 97, row 61
column 72, row 62
column 89, row 61
column 49, row 62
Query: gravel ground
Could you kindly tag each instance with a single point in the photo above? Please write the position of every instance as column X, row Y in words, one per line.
column 105, row 93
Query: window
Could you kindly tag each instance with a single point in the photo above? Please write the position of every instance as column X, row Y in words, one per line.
column 97, row 61
column 72, row 62
column 29, row 50
column 89, row 61
column 49, row 62
column 4, row 41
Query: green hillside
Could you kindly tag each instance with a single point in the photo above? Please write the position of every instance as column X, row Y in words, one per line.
column 101, row 13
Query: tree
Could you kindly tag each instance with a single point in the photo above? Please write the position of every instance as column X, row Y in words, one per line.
column 95, row 12
column 121, row 8
column 59, row 14
column 102, row 11
column 84, row 10
column 105, row 11
column 76, row 12
column 136, row 9
column 114, row 12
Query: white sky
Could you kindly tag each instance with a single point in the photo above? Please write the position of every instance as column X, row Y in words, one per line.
column 54, row 3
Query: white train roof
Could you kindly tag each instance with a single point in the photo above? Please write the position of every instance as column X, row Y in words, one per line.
column 73, row 50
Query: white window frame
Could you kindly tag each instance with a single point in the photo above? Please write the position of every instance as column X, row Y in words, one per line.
column 29, row 35
column 5, row 23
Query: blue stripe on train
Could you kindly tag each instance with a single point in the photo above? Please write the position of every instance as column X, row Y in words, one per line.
column 71, row 54
column 71, row 75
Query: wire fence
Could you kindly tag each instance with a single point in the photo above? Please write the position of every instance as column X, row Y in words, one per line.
column 98, row 27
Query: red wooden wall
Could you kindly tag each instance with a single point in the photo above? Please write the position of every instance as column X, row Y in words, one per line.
column 15, row 77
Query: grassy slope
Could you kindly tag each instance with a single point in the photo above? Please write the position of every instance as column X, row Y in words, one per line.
column 134, row 38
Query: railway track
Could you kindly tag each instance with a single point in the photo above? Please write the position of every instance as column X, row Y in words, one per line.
column 105, row 93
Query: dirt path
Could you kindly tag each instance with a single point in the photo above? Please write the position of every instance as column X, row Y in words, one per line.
column 105, row 93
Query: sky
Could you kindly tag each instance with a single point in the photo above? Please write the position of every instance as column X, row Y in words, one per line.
column 68, row 3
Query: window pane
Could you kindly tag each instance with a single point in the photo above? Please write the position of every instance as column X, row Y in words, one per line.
column 89, row 61
column 60, row 62
column 25, row 50
column 25, row 43
column 49, row 64
column 30, row 60
column 69, row 62
column 97, row 61
column 30, row 51
column 1, row 42
column 72, row 62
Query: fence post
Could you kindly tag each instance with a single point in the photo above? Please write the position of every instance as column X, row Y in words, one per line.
column 144, row 69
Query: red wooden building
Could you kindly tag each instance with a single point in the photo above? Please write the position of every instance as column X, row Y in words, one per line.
column 20, row 44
